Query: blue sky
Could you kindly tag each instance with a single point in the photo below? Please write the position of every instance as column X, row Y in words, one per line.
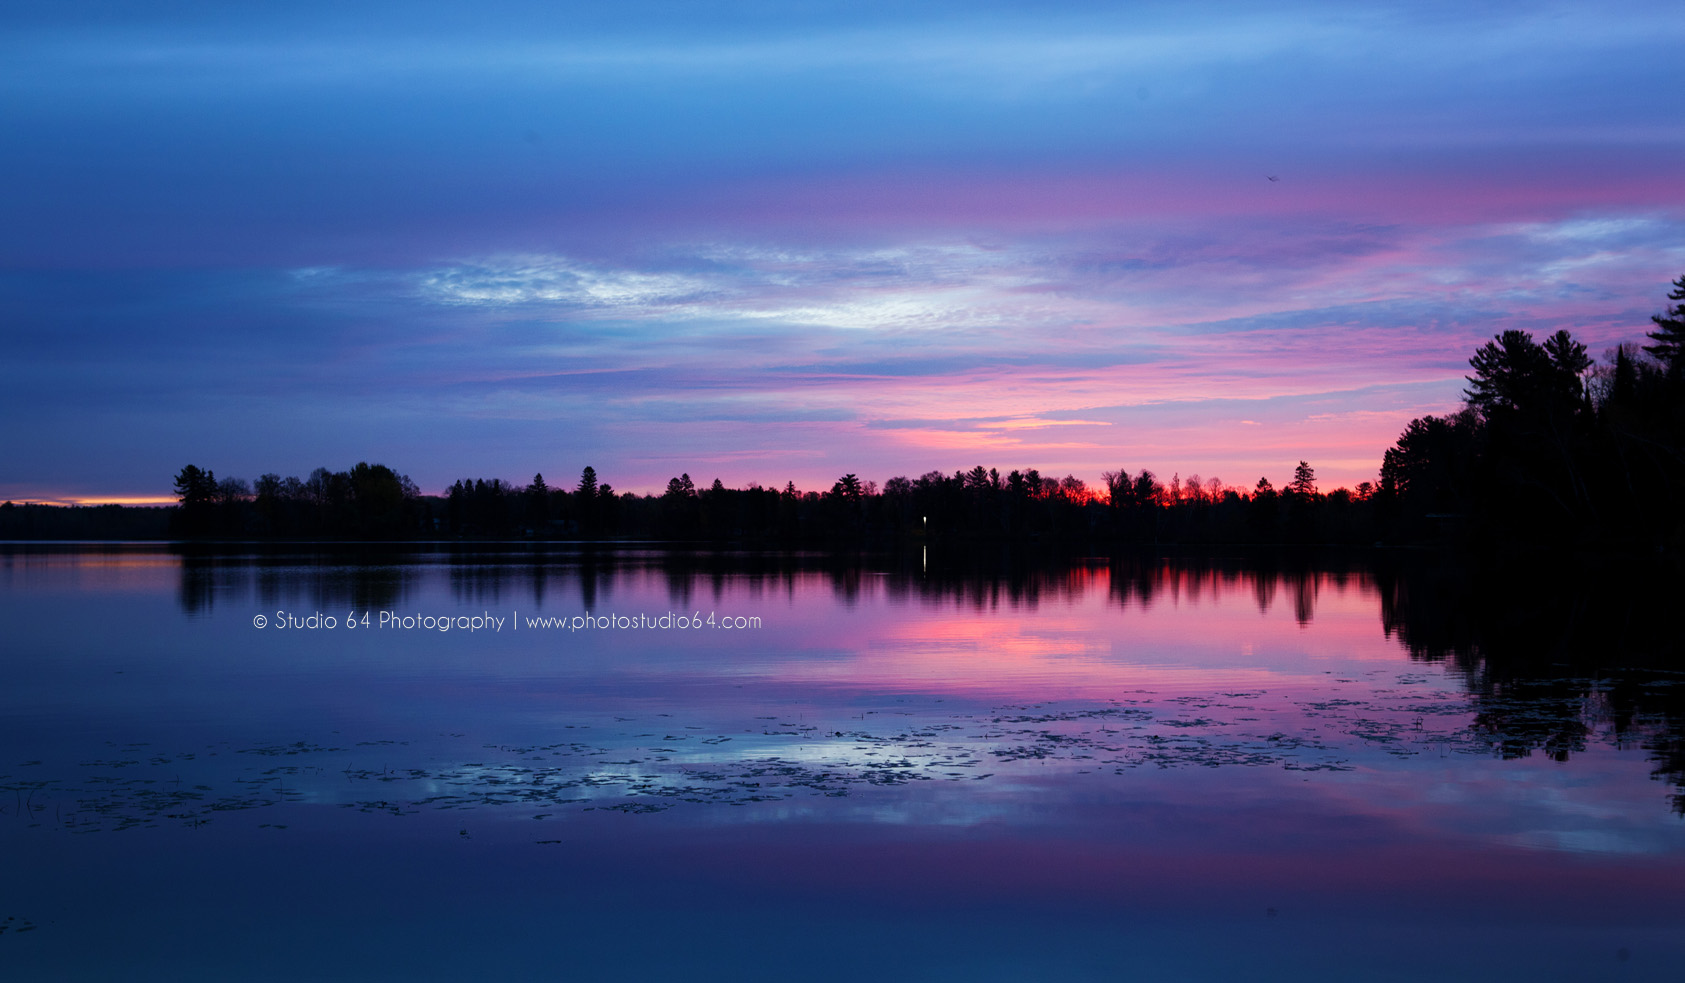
column 766, row 242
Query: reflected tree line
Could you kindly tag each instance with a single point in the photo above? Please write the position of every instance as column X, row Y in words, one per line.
column 1550, row 448
column 1551, row 652
column 377, row 576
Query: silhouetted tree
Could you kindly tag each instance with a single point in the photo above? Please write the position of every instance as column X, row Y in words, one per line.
column 1669, row 336
column 377, row 497
column 1623, row 385
column 1304, row 481
column 1426, row 471
column 195, row 487
column 608, row 510
column 681, row 512
column 537, row 495
column 1569, row 360
column 1264, row 511
column 587, row 503
column 1512, row 374
column 197, row 492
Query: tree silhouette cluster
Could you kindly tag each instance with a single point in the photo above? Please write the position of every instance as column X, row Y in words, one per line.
column 369, row 501
column 1550, row 447
column 502, row 510
column 979, row 505
column 984, row 505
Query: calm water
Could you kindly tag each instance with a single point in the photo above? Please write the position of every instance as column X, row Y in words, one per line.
column 1149, row 770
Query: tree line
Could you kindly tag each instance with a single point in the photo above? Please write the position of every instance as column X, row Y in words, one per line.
column 368, row 501
column 1550, row 447
column 371, row 501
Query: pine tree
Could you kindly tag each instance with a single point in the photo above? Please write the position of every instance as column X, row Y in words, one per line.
column 1511, row 373
column 1571, row 362
column 1304, row 480
column 1669, row 336
column 195, row 488
column 1626, row 379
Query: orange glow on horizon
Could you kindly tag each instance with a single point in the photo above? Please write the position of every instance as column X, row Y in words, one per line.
column 78, row 501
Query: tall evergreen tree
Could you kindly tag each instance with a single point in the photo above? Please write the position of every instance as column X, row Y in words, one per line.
column 1304, row 480
column 1511, row 373
column 195, row 488
column 1571, row 362
column 197, row 491
column 1625, row 384
column 1669, row 336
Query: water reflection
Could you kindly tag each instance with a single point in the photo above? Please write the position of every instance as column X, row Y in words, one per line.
column 1554, row 651
column 1552, row 654
column 335, row 581
column 477, row 576
column 1372, row 752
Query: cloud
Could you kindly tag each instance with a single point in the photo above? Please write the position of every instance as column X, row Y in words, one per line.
column 852, row 237
column 1031, row 423
column 554, row 280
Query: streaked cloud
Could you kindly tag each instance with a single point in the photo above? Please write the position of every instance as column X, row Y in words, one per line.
column 543, row 279
column 796, row 242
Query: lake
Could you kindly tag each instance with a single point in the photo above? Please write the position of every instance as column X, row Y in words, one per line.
column 525, row 764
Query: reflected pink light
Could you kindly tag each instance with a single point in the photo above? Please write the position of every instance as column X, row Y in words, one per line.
column 1099, row 641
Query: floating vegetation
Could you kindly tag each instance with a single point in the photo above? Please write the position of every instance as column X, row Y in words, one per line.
column 629, row 768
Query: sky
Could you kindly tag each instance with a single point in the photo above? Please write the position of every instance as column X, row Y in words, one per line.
column 781, row 241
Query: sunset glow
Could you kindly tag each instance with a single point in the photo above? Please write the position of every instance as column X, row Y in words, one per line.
column 772, row 247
